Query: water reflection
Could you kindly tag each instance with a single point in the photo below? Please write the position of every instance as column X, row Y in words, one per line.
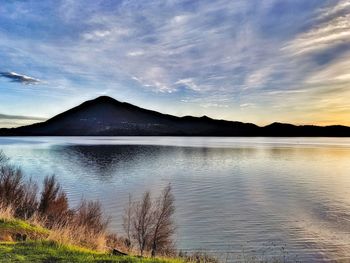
column 230, row 193
column 103, row 160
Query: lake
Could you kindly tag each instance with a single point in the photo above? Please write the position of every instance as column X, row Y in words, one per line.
column 257, row 196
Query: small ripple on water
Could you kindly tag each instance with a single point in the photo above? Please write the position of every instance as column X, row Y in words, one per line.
column 257, row 194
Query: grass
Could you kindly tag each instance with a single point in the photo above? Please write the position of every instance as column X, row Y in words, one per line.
column 10, row 227
column 39, row 249
column 49, row 251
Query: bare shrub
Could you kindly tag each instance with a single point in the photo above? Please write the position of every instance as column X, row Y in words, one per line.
column 149, row 223
column 90, row 216
column 53, row 202
column 29, row 202
column 142, row 221
column 16, row 193
column 86, row 227
column 163, row 225
column 11, row 190
column 127, row 223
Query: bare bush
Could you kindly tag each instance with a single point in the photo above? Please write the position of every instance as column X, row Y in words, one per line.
column 163, row 225
column 11, row 186
column 90, row 216
column 86, row 227
column 53, row 203
column 142, row 221
column 15, row 192
column 127, row 223
column 150, row 224
column 29, row 202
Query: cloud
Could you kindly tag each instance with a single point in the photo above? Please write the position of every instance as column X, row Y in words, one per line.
column 247, row 105
column 323, row 54
column 189, row 83
column 326, row 35
column 275, row 53
column 23, row 79
column 112, row 33
column 135, row 53
column 12, row 121
column 213, row 105
column 96, row 35
column 19, row 117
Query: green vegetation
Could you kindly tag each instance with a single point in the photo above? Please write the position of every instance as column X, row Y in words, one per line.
column 40, row 226
column 17, row 226
column 36, row 249
column 49, row 251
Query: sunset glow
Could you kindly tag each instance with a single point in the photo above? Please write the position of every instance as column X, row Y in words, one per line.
column 251, row 61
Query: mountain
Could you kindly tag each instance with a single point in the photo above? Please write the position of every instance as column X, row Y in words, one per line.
column 105, row 116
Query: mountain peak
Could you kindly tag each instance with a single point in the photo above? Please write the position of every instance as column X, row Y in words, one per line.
column 105, row 98
column 104, row 116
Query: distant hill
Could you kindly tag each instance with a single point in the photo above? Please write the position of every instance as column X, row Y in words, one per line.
column 105, row 116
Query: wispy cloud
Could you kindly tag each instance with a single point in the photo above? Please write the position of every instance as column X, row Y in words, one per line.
column 332, row 31
column 11, row 121
column 188, row 83
column 19, row 78
column 282, row 56
column 20, row 117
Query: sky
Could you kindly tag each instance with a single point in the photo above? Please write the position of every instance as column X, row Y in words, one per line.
column 258, row 61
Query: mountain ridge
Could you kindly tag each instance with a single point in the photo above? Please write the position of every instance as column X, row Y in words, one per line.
column 105, row 116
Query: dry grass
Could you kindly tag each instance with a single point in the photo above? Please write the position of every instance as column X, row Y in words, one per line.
column 65, row 234
column 79, row 236
column 6, row 212
column 85, row 226
column 46, row 251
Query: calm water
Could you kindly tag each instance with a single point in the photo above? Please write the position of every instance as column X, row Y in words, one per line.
column 232, row 194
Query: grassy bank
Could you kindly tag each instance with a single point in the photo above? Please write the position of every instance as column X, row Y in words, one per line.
column 9, row 228
column 37, row 224
column 49, row 251
column 37, row 247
